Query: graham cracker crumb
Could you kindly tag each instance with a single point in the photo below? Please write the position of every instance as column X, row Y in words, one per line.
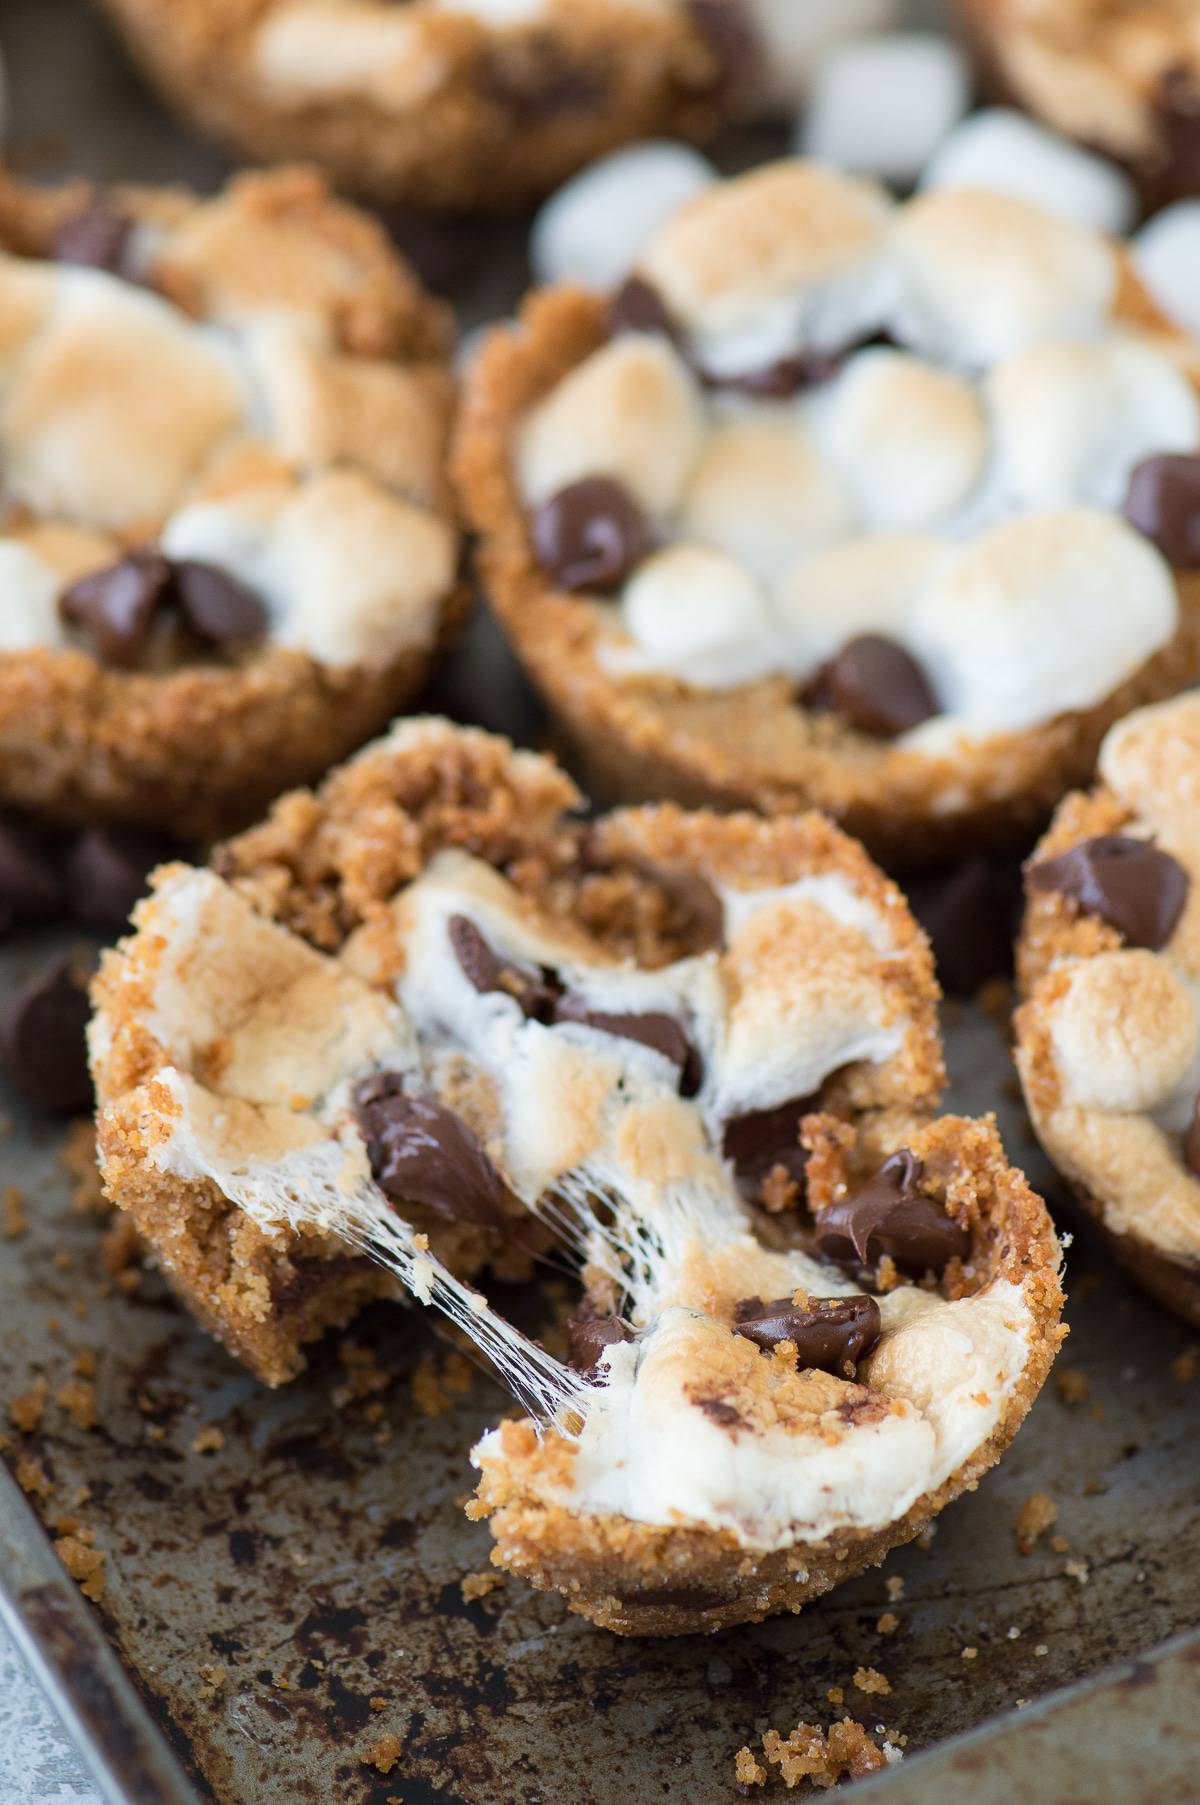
column 208, row 1439
column 1074, row 1387
column 820, row 1757
column 1033, row 1519
column 1059, row 1544
column 365, row 1378
column 214, row 1678
column 84, row 1363
column 1184, row 1367
column 888, row 1624
column 869, row 1679
column 13, row 1221
column 895, row 1587
column 78, row 1157
column 377, row 1704
column 478, row 1585
column 1077, row 1570
column 970, row 1653
column 26, row 1410
column 31, row 1477
column 78, row 1398
column 836, row 1695
column 385, row 1753
column 435, row 1384
column 83, row 1563
column 747, row 1771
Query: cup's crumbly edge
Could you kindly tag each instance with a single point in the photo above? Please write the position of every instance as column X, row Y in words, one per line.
column 325, row 864
column 475, row 141
column 1053, row 930
column 202, row 750
column 640, row 1579
column 749, row 747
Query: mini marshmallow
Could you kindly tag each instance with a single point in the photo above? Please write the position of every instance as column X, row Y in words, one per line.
column 882, row 105
column 1040, row 615
column 1004, row 151
column 867, row 585
column 762, row 492
column 592, row 230
column 909, row 439
column 29, row 614
column 631, row 411
column 1166, row 255
column 796, row 35
column 1124, row 1032
column 1151, row 759
column 1072, row 420
column 985, row 276
column 696, row 612
column 315, row 48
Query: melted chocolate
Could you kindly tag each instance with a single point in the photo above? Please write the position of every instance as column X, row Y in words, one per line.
column 421, row 1152
column 590, row 535
column 766, row 1138
column 1132, row 885
column 534, row 990
column 653, row 1028
column 876, row 684
column 588, row 1336
column 889, row 1215
column 831, row 1334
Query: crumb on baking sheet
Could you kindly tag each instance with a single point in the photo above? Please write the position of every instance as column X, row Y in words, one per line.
column 1074, row 1386
column 365, row 1377
column 13, row 1221
column 84, row 1363
column 888, row 1624
column 869, row 1679
column 1033, row 1519
column 208, row 1439
column 385, row 1753
column 819, row 1757
column 1184, row 1366
column 78, row 1398
column 1077, row 1570
column 478, row 1585
column 970, row 1652
column 213, row 1677
column 27, row 1408
column 120, row 1252
column 436, row 1383
column 78, row 1158
column 895, row 1587
column 83, row 1562
column 32, row 1477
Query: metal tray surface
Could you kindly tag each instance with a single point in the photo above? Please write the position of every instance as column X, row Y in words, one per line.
column 317, row 1555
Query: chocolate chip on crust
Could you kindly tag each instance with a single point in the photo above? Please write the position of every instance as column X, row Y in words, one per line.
column 876, row 684
column 830, row 1334
column 1134, row 886
column 115, row 606
column 588, row 1336
column 1163, row 503
column 97, row 237
column 765, row 1139
column 421, row 1152
column 43, row 1039
column 888, row 1215
column 30, row 887
column 215, row 605
column 590, row 535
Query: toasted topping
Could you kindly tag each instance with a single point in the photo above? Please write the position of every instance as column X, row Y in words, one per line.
column 766, row 1140
column 1137, row 888
column 30, row 889
column 831, row 1334
column 421, row 1152
column 590, row 535
column 889, row 1216
column 42, row 1039
column 1164, row 503
column 1124, row 1032
column 877, row 685
column 588, row 1336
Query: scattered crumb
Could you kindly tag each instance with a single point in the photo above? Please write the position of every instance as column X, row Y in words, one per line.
column 26, row 1409
column 385, row 1753
column 1013, row 1633
column 1077, row 1570
column 478, row 1585
column 1033, row 1519
column 888, row 1624
column 208, row 1439
column 1184, row 1368
column 13, row 1221
column 818, row 1756
column 214, row 1678
column 895, row 1587
column 78, row 1158
column 1073, row 1386
column 32, row 1478
column 84, row 1363
column 378, row 1704
column 120, row 1252
column 78, row 1398
column 62, row 1259
column 435, row 1384
column 970, row 1653
column 869, row 1679
column 1059, row 1544
column 1041, row 1648
column 836, row 1695
column 365, row 1378
column 1098, row 1413
column 747, row 1771
column 82, row 1562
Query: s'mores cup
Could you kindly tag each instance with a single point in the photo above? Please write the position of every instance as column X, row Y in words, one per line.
column 427, row 1021
column 1108, row 1034
column 843, row 502
column 1120, row 76
column 228, row 554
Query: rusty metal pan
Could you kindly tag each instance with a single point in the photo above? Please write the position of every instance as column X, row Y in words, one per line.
column 283, row 1571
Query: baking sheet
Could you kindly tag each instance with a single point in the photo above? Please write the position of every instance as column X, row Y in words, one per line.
column 262, row 1594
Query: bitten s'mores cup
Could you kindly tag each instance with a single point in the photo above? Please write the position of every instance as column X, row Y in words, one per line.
column 427, row 1020
column 228, row 550
column 1108, row 1036
column 1121, row 76
column 841, row 502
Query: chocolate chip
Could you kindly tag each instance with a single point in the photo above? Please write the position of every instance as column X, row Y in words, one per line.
column 781, row 380
column 43, row 1039
column 1163, row 503
column 106, row 871
column 637, row 306
column 97, row 237
column 444, row 249
column 970, row 915
column 888, row 1215
column 30, row 888
column 765, row 1139
column 1191, row 1141
column 215, row 605
column 721, row 1412
column 588, row 1336
column 590, row 535
column 535, row 990
column 831, row 1334
column 653, row 1028
column 1134, row 886
column 736, row 46
column 876, row 684
column 116, row 606
column 421, row 1152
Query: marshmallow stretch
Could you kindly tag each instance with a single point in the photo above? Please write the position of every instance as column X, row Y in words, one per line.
column 469, row 1057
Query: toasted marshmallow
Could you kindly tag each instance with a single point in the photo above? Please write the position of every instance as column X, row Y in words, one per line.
column 29, row 612
column 1151, row 759
column 695, row 611
column 314, row 48
column 592, row 230
column 631, row 411
column 1125, row 1032
column 867, row 585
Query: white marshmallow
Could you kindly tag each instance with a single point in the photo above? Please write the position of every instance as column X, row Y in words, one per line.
column 1010, row 154
column 867, row 585
column 882, row 105
column 796, row 34
column 1124, row 1032
column 762, row 492
column 1072, row 421
column 695, row 612
column 910, row 440
column 29, row 609
column 1166, row 255
column 631, row 411
column 314, row 48
column 592, row 230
